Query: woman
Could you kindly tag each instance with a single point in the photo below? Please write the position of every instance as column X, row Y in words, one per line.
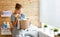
column 14, row 18
column 17, row 15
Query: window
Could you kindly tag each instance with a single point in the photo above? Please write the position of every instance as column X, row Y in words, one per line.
column 50, row 12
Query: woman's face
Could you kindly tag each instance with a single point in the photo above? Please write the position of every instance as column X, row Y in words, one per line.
column 18, row 11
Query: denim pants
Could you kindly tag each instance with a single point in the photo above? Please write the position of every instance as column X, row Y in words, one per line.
column 15, row 32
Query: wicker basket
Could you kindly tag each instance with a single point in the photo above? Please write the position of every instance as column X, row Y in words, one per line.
column 24, row 24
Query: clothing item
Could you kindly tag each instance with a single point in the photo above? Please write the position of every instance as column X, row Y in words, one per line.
column 16, row 30
column 13, row 18
column 18, row 33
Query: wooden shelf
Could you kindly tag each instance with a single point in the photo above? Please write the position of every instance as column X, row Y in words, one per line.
column 5, row 15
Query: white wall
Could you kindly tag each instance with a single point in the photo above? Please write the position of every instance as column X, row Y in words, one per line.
column 50, row 12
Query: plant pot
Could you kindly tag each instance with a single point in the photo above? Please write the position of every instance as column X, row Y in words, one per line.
column 45, row 29
column 55, row 33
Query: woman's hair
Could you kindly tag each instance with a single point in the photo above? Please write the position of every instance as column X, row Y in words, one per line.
column 18, row 6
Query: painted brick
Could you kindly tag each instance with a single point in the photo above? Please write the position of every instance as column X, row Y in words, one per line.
column 30, row 8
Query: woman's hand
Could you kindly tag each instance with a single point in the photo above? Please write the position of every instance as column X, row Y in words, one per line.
column 18, row 15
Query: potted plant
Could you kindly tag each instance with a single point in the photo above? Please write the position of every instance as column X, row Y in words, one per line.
column 55, row 31
column 45, row 27
column 58, row 34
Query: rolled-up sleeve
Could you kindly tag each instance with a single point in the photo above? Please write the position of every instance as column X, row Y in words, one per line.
column 12, row 18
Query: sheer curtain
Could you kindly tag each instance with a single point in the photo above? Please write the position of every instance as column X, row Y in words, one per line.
column 50, row 12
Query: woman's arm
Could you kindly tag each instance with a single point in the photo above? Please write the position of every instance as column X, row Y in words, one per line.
column 14, row 23
column 14, row 20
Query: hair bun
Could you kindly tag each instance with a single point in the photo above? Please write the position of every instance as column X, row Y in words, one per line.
column 18, row 6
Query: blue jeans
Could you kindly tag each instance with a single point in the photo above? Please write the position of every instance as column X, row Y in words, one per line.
column 15, row 32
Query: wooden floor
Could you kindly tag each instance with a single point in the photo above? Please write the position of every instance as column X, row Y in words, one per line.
column 5, row 36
